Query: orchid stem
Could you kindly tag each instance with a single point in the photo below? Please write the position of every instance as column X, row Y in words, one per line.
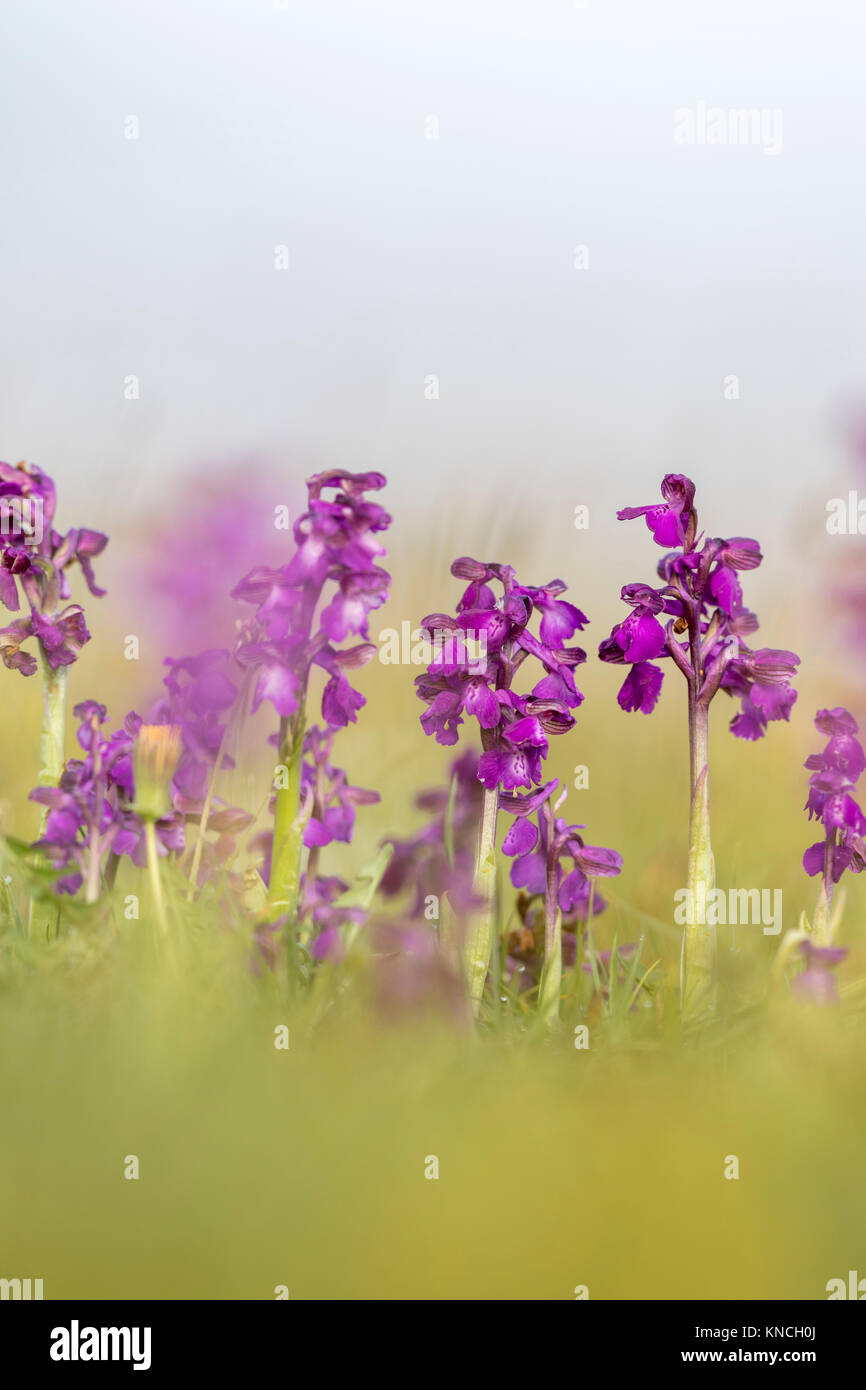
column 94, row 864
column 697, row 966
column 52, row 759
column 821, row 928
column 285, row 879
column 550, row 984
column 479, row 941
column 52, row 740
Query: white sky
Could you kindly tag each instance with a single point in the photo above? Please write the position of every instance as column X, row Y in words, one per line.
column 304, row 126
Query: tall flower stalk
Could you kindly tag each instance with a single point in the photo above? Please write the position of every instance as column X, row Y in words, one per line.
column 285, row 877
column 52, row 736
column 34, row 560
column 698, row 957
column 835, row 771
column 476, row 656
column 292, row 632
column 702, row 599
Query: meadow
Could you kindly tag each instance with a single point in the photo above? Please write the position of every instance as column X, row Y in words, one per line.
column 353, row 1119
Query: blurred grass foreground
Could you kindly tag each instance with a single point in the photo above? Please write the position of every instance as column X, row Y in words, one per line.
column 366, row 1163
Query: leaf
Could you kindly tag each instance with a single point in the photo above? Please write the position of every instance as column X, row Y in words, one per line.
column 367, row 880
column 448, row 827
column 255, row 894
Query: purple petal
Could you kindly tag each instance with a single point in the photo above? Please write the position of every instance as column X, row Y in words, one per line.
column 641, row 687
column 522, row 837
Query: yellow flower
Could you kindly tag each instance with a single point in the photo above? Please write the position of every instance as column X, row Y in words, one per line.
column 157, row 751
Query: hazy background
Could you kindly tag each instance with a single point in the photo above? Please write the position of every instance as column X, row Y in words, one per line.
column 305, row 126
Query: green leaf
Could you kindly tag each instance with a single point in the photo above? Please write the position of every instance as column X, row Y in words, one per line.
column 448, row 829
column 367, row 880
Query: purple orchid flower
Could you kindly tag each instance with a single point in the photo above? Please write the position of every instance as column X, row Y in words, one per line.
column 472, row 673
column 337, row 543
column 538, row 849
column 200, row 696
column 835, row 772
column 92, row 817
column 35, row 560
column 700, row 601
column 34, row 563
column 333, row 800
column 329, row 803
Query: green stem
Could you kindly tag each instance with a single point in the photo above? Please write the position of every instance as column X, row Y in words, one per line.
column 155, row 878
column 821, row 928
column 230, row 734
column 550, row 984
column 52, row 739
column 479, row 940
column 52, row 759
column 288, row 827
column 91, row 883
column 697, row 967
column 578, row 971
column 94, row 862
column 447, row 932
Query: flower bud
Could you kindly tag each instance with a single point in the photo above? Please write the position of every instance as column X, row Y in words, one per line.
column 155, row 760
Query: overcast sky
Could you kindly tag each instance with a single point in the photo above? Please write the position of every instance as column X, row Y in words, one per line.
column 307, row 126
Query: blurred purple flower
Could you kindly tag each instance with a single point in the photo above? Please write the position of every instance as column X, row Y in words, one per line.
column 92, row 820
column 90, row 812
column 831, row 800
column 232, row 515
column 816, row 983
column 337, row 543
column 439, row 857
column 331, row 797
column 411, row 977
